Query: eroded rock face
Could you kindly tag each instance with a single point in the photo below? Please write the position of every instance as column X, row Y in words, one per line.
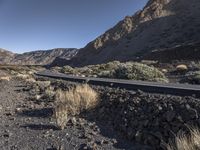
column 161, row 24
column 154, row 9
column 36, row 57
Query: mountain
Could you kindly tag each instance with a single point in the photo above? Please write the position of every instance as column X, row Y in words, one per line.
column 6, row 56
column 41, row 57
column 161, row 25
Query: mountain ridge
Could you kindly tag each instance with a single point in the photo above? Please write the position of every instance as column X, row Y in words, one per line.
column 161, row 24
column 38, row 57
column 156, row 30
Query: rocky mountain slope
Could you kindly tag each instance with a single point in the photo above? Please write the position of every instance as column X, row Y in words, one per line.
column 162, row 24
column 6, row 56
column 36, row 57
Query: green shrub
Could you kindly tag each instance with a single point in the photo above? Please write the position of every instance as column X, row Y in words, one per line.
column 194, row 65
column 193, row 77
column 138, row 71
column 105, row 74
column 68, row 70
column 115, row 69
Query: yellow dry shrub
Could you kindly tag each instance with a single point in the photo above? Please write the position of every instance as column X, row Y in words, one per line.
column 73, row 102
column 186, row 142
column 23, row 76
column 164, row 70
column 61, row 115
column 181, row 67
column 5, row 78
column 49, row 91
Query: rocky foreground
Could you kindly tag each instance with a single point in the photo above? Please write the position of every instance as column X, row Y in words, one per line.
column 122, row 120
column 148, row 119
column 26, row 124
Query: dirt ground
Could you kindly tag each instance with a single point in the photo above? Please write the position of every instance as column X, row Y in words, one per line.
column 26, row 124
column 122, row 118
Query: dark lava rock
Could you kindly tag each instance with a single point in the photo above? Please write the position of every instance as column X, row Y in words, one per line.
column 147, row 118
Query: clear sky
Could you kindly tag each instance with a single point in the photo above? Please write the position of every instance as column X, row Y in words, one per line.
column 27, row 25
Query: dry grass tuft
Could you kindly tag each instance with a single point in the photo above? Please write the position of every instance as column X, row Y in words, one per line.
column 61, row 115
column 22, row 76
column 49, row 92
column 30, row 80
column 186, row 142
column 73, row 102
column 5, row 78
column 44, row 84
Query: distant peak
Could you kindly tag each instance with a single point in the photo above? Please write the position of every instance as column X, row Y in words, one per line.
column 150, row 2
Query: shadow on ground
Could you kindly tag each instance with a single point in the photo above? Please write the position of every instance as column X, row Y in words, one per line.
column 39, row 127
column 40, row 113
column 105, row 121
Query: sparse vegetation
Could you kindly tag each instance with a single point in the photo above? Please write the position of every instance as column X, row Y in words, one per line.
column 137, row 71
column 115, row 69
column 49, row 92
column 44, row 84
column 43, row 89
column 31, row 80
column 186, row 142
column 73, row 102
column 193, row 77
column 5, row 78
column 194, row 66
column 13, row 69
column 22, row 76
column 61, row 114
column 21, row 72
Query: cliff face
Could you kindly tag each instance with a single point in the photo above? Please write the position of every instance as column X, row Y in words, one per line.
column 161, row 24
column 36, row 57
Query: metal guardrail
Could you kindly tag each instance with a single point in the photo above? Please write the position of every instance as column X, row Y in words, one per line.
column 152, row 87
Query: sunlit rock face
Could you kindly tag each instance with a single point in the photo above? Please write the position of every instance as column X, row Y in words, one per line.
column 161, row 24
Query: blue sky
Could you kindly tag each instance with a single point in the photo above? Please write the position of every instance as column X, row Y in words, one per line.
column 27, row 25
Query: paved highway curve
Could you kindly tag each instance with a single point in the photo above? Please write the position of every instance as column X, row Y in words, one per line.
column 152, row 87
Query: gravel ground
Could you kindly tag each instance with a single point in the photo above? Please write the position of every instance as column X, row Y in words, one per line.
column 26, row 124
column 149, row 119
column 124, row 119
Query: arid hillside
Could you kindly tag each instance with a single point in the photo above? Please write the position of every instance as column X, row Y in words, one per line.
column 162, row 24
column 6, row 56
column 42, row 57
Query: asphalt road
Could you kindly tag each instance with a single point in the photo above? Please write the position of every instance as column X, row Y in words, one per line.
column 152, row 87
